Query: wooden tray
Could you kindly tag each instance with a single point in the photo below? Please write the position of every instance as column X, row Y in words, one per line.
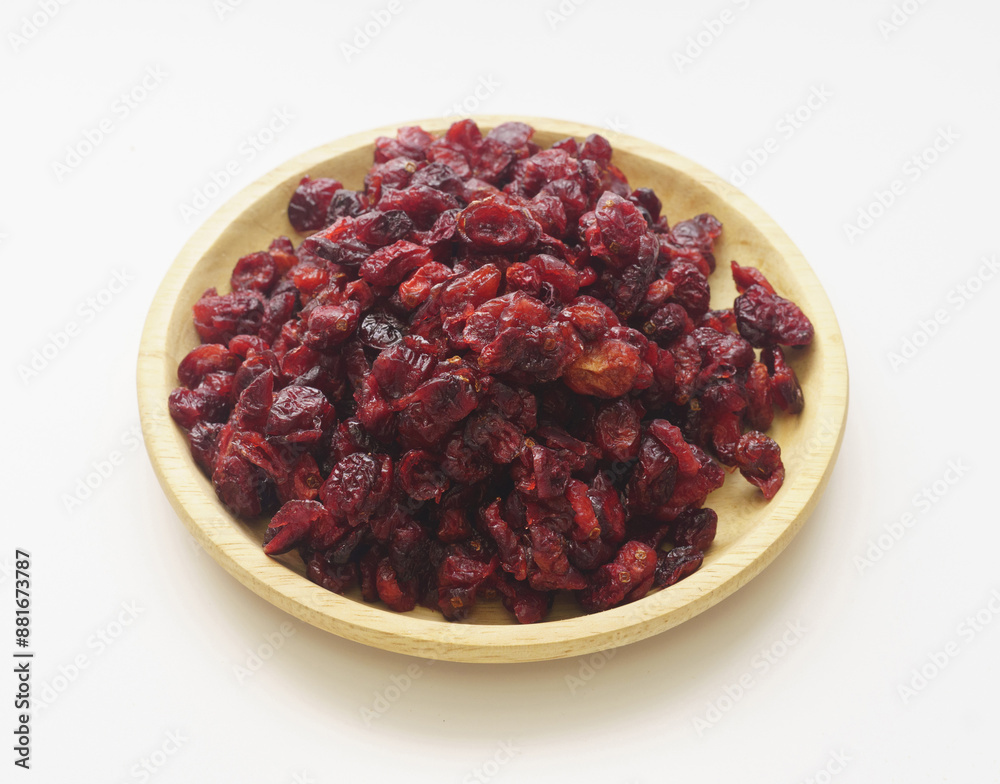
column 751, row 531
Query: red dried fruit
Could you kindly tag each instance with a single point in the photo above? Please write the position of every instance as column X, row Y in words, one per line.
column 617, row 429
column 219, row 319
column 627, row 578
column 695, row 528
column 674, row 565
column 745, row 277
column 765, row 319
column 358, row 485
column 421, row 477
column 390, row 266
column 529, row 379
column 331, row 325
column 204, row 359
column 294, row 523
column 422, row 204
column 784, row 384
column 338, row 243
column 759, row 460
column 496, row 223
column 760, row 400
column 310, row 202
column 606, row 369
column 255, row 272
column 299, row 415
column 619, row 231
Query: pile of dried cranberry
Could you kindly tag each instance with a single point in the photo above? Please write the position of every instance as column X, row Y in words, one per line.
column 491, row 372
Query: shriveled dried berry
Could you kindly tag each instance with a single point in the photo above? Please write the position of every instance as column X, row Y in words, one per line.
column 491, row 372
column 606, row 369
column 759, row 460
column 497, row 223
column 309, row 204
column 674, row 565
column 765, row 319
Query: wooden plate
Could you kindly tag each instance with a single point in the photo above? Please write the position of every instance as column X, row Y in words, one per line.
column 751, row 531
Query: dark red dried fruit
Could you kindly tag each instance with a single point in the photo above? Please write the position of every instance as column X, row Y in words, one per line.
column 497, row 223
column 606, row 369
column 765, row 319
column 204, row 359
column 674, row 565
column 759, row 460
column 294, row 523
column 695, row 528
column 219, row 319
column 493, row 372
column 358, row 485
column 627, row 578
column 785, row 387
column 310, row 202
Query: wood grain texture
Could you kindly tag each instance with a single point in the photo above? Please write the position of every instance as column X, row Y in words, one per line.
column 751, row 531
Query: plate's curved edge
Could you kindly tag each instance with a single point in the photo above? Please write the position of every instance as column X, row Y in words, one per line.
column 471, row 643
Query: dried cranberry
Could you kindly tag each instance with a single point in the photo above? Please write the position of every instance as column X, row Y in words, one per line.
column 310, row 202
column 493, row 372
column 674, row 565
column 765, row 319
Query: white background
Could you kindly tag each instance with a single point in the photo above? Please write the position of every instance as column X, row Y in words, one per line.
column 829, row 707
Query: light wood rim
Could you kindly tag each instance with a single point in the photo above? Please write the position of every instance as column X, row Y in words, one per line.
column 373, row 625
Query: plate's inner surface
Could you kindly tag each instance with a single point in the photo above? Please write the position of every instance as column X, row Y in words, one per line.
column 740, row 505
